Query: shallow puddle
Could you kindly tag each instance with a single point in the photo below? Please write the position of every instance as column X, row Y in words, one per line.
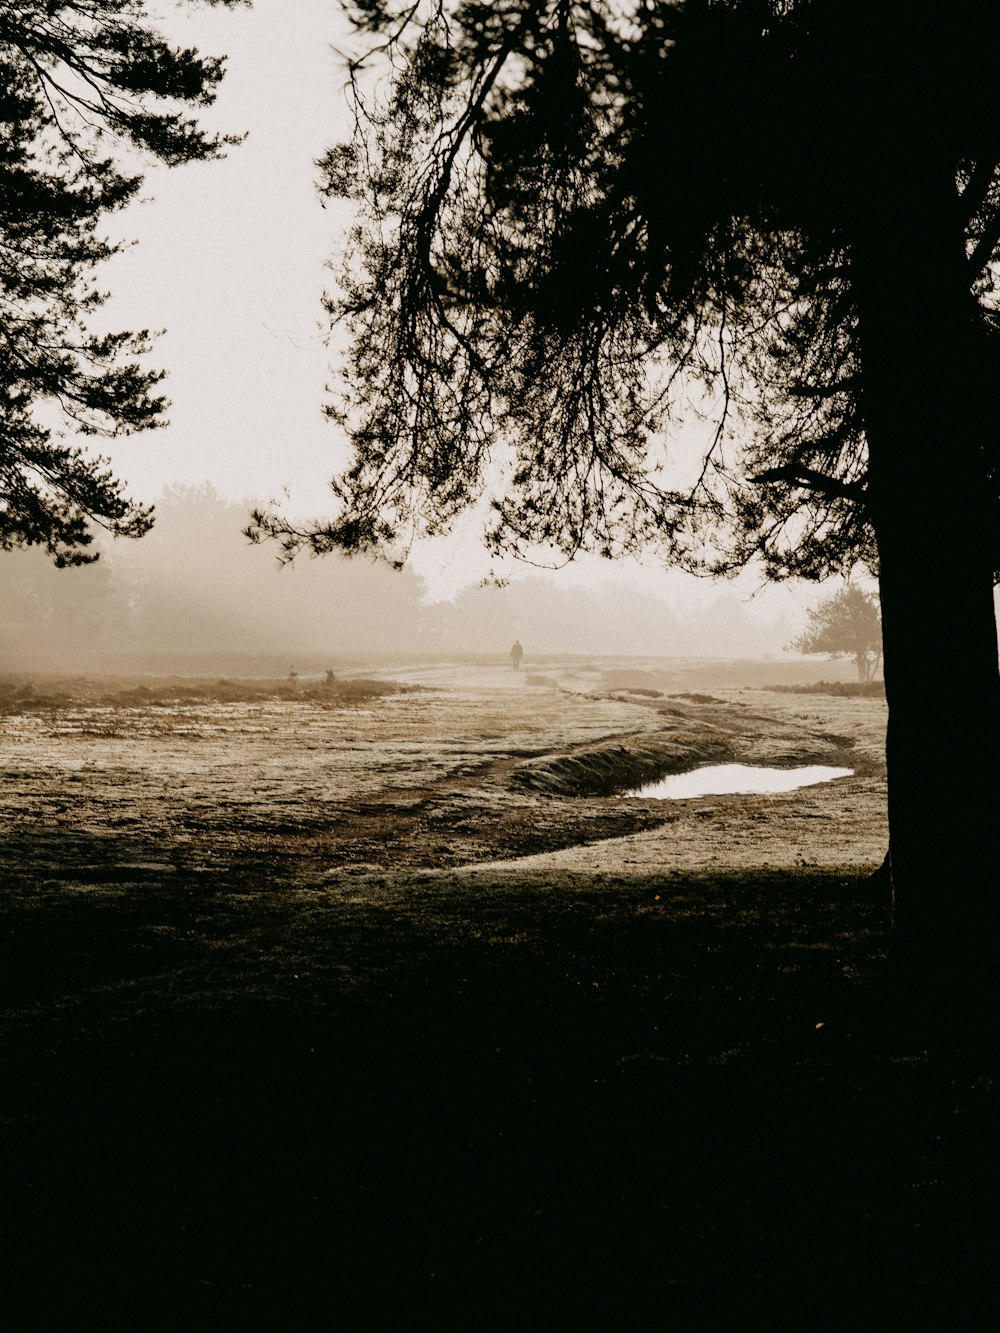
column 737, row 779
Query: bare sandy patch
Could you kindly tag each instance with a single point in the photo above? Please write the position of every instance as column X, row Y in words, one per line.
column 475, row 768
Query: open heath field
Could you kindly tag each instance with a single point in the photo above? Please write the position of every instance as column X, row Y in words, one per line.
column 378, row 1002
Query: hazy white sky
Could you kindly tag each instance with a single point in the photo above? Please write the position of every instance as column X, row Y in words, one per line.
column 230, row 261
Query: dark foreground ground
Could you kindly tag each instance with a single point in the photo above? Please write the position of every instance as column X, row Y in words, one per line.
column 693, row 1103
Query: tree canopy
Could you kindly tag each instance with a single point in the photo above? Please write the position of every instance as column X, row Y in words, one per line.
column 584, row 225
column 89, row 91
column 847, row 624
column 580, row 222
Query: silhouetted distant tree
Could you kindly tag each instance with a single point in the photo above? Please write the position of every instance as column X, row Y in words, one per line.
column 87, row 91
column 577, row 220
column 846, row 625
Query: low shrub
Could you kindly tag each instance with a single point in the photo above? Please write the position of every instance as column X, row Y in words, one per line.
column 843, row 689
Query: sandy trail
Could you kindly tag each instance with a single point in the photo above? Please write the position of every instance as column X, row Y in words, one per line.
column 512, row 773
column 838, row 823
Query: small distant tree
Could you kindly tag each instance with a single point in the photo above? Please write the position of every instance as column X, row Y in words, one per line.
column 848, row 624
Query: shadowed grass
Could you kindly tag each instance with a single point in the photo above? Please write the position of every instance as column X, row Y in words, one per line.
column 474, row 1101
column 53, row 693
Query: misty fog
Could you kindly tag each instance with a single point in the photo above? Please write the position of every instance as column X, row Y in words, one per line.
column 195, row 587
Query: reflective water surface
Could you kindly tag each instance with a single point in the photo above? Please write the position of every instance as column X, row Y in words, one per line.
column 733, row 779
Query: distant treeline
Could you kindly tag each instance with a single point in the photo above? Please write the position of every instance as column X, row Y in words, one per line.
column 195, row 584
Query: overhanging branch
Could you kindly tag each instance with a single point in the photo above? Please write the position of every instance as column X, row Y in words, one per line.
column 809, row 479
column 983, row 252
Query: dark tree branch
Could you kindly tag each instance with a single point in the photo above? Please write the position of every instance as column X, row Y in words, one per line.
column 983, row 252
column 809, row 479
column 847, row 385
column 977, row 191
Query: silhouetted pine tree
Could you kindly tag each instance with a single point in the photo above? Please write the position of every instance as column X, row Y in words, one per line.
column 577, row 219
column 86, row 92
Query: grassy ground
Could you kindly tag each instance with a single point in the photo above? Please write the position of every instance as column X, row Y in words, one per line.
column 633, row 1105
column 243, row 1096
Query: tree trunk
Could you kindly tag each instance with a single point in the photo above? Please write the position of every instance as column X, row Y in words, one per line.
column 928, row 374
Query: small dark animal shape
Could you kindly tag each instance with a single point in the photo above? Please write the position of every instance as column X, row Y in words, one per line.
column 516, row 653
column 329, row 678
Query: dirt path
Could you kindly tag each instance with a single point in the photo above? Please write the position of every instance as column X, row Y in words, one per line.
column 113, row 788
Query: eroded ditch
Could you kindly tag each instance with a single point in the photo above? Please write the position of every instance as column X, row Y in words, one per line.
column 578, row 795
column 252, row 810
